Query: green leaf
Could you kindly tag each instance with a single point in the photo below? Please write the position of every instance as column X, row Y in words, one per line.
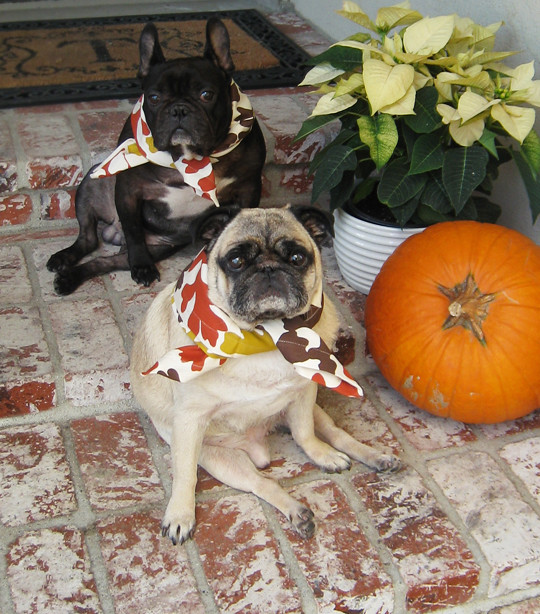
column 426, row 118
column 336, row 161
column 531, row 152
column 312, row 124
column 345, row 58
column 464, row 168
column 364, row 189
column 341, row 193
column 380, row 134
column 429, row 216
column 427, row 154
column 532, row 183
column 434, row 195
column 486, row 211
column 345, row 136
column 488, row 140
column 396, row 186
column 403, row 213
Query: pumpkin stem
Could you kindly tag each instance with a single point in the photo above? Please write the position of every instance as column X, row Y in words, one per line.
column 468, row 307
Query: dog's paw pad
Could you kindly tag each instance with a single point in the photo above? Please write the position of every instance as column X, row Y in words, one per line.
column 302, row 521
column 56, row 262
column 388, row 463
column 65, row 282
column 176, row 534
column 178, row 527
column 145, row 275
column 331, row 460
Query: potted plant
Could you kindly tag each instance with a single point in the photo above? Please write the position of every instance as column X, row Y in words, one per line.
column 427, row 113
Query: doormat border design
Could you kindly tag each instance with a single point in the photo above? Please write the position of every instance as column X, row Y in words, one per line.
column 290, row 71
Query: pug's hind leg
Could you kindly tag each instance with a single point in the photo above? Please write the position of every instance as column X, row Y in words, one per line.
column 340, row 439
column 234, row 468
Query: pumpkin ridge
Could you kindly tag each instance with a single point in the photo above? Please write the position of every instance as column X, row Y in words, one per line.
column 408, row 372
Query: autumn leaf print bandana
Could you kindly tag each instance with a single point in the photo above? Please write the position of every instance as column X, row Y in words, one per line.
column 197, row 171
column 218, row 338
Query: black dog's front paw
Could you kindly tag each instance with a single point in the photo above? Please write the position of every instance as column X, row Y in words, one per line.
column 66, row 281
column 58, row 261
column 145, row 275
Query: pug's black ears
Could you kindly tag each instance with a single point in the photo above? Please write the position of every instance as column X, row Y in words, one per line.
column 218, row 46
column 149, row 50
column 317, row 222
column 210, row 226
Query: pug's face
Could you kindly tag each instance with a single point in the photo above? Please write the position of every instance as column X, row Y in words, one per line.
column 264, row 265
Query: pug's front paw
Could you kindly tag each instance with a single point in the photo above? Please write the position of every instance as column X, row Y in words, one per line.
column 178, row 525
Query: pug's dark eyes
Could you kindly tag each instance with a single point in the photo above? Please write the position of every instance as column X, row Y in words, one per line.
column 236, row 263
column 298, row 259
column 207, row 96
column 154, row 98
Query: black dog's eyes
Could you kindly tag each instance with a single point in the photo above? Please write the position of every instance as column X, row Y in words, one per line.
column 207, row 96
column 154, row 98
column 298, row 259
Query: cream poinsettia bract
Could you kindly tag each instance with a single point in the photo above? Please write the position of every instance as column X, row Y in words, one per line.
column 452, row 53
column 425, row 104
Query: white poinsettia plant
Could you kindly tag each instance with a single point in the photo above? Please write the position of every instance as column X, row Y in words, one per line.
column 428, row 112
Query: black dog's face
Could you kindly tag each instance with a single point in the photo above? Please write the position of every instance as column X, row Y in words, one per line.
column 187, row 106
column 264, row 266
column 187, row 101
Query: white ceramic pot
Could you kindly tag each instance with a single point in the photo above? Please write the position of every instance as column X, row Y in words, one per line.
column 362, row 247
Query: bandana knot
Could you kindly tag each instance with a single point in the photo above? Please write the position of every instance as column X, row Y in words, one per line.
column 217, row 337
column 197, row 171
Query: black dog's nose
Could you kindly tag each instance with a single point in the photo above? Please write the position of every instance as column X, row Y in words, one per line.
column 179, row 110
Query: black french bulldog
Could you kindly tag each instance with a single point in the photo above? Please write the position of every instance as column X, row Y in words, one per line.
column 191, row 120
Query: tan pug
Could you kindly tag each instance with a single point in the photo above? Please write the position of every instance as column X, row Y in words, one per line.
column 263, row 270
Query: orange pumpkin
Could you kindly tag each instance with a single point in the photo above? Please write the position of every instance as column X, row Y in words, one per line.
column 453, row 322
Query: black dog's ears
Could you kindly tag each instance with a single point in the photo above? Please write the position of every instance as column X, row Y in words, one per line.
column 210, row 226
column 149, row 50
column 317, row 222
column 218, row 46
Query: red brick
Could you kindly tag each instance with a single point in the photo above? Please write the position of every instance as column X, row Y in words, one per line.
column 57, row 172
column 103, row 374
column 423, row 430
column 147, row 573
column 115, row 461
column 15, row 284
column 59, row 205
column 284, row 127
column 8, row 161
column 241, row 559
column 26, row 398
column 505, row 527
column 101, row 130
column 35, row 478
column 15, row 209
column 49, row 571
column 24, row 354
column 339, row 563
column 512, row 427
column 296, row 179
column 437, row 567
column 528, row 606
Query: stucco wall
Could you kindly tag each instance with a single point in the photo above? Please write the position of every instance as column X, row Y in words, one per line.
column 520, row 32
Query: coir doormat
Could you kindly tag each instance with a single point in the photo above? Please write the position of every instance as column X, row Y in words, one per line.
column 94, row 59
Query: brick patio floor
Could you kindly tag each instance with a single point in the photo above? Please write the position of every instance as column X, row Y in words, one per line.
column 85, row 478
